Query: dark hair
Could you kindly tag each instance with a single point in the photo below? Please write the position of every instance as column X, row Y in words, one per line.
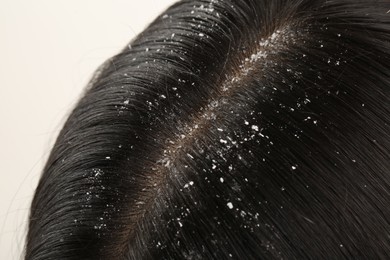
column 241, row 129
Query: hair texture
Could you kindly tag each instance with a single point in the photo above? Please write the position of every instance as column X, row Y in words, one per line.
column 234, row 129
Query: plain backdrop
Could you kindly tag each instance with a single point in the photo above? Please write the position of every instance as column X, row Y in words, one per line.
column 48, row 52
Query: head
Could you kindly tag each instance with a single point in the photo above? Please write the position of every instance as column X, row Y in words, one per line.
column 235, row 129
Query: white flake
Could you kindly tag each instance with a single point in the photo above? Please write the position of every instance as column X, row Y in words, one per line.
column 223, row 141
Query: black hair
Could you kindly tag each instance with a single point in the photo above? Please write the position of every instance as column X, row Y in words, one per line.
column 242, row 129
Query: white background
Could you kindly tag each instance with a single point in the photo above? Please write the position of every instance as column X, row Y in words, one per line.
column 48, row 51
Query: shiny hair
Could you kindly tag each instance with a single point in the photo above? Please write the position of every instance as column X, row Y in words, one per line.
column 243, row 129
